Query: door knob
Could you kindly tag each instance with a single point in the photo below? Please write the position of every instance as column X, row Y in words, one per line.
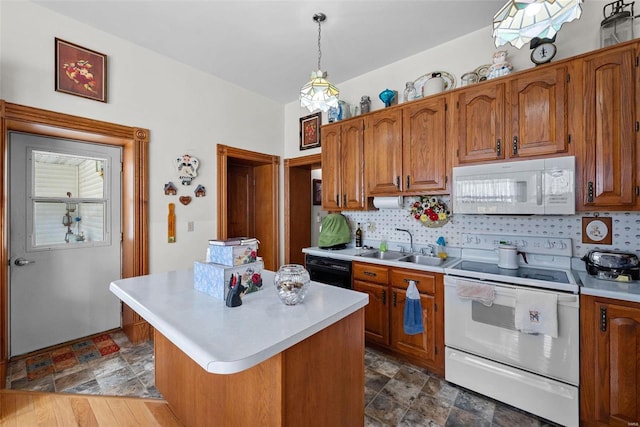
column 20, row 262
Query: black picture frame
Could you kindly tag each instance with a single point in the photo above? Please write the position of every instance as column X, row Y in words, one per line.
column 317, row 191
column 310, row 131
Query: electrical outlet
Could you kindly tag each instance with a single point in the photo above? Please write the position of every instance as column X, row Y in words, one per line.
column 190, row 226
column 371, row 226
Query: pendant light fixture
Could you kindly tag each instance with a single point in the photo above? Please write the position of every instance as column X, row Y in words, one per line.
column 519, row 21
column 319, row 93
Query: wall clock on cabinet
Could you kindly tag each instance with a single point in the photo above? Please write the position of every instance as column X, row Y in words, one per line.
column 542, row 50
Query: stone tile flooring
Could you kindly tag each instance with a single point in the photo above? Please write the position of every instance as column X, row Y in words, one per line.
column 129, row 372
column 397, row 393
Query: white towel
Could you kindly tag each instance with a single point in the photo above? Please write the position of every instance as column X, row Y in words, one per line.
column 476, row 291
column 537, row 312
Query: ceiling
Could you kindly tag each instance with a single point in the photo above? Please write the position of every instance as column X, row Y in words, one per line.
column 270, row 47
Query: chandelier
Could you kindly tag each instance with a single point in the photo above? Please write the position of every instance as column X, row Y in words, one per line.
column 319, row 93
column 519, row 21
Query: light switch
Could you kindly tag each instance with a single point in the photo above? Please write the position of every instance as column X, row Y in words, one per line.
column 190, row 226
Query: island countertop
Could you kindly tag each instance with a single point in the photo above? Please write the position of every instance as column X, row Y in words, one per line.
column 225, row 340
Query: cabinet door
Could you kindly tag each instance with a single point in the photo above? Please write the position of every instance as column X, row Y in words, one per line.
column 538, row 113
column 423, row 146
column 352, row 165
column 376, row 313
column 330, row 138
column 611, row 365
column 609, row 150
column 480, row 123
column 383, row 152
column 421, row 345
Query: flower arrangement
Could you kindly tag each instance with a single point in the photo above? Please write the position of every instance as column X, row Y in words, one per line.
column 430, row 211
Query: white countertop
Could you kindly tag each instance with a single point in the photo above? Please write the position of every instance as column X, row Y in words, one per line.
column 226, row 340
column 353, row 254
column 626, row 291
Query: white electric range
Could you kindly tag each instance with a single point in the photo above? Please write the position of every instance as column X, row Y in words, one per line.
column 486, row 351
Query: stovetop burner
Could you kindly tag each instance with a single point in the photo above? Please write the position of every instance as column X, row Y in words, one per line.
column 522, row 272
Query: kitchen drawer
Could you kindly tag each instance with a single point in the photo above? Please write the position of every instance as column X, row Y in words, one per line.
column 425, row 281
column 370, row 273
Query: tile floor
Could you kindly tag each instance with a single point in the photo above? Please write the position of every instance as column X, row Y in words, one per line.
column 128, row 372
column 396, row 393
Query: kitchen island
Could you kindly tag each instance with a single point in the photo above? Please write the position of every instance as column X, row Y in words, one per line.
column 262, row 363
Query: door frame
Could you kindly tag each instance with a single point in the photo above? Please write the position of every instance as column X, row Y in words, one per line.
column 310, row 162
column 134, row 142
column 268, row 182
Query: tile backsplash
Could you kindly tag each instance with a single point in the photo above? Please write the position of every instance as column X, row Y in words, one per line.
column 382, row 224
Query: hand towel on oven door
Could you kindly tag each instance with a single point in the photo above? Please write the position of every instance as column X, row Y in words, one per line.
column 480, row 292
column 413, row 311
column 536, row 312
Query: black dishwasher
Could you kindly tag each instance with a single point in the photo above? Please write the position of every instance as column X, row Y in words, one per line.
column 331, row 271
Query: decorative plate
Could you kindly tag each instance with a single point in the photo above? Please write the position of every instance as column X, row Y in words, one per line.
column 597, row 230
column 449, row 81
column 482, row 72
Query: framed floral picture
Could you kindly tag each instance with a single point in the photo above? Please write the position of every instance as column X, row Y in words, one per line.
column 310, row 131
column 80, row 71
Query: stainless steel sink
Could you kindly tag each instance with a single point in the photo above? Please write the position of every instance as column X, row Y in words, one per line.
column 388, row 255
column 423, row 260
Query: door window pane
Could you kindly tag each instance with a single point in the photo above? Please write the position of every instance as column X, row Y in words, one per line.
column 68, row 199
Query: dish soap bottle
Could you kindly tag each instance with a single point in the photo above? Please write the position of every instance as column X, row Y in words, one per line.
column 358, row 237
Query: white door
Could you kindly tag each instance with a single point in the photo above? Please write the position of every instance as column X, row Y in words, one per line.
column 64, row 240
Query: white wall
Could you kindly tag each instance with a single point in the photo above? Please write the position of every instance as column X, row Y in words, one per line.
column 186, row 111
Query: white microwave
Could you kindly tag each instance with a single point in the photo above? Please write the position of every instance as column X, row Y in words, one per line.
column 541, row 186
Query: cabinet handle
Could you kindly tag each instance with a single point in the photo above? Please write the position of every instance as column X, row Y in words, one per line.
column 398, row 182
column 603, row 319
column 414, row 281
column 515, row 145
column 337, row 199
column 384, row 297
column 408, row 182
column 395, row 298
column 590, row 192
column 370, row 273
column 344, row 197
column 499, row 147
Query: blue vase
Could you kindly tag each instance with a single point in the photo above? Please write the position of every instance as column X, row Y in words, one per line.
column 387, row 96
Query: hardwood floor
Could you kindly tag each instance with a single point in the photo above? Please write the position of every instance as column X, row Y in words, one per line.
column 28, row 408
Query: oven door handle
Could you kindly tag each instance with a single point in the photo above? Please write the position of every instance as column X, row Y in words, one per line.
column 506, row 295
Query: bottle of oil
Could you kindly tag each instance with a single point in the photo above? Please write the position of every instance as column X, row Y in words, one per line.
column 358, row 237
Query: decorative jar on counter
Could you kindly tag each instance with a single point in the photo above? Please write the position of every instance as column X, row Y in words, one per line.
column 292, row 282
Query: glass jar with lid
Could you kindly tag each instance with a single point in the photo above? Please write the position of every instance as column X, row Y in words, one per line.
column 410, row 92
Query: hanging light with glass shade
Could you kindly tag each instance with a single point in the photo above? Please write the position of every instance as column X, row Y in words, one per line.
column 319, row 93
column 520, row 21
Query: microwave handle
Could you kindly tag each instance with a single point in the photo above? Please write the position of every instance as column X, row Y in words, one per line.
column 539, row 188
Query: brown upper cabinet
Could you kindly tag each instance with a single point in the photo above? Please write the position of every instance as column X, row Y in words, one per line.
column 343, row 165
column 405, row 149
column 538, row 107
column 607, row 159
column 479, row 118
column 513, row 117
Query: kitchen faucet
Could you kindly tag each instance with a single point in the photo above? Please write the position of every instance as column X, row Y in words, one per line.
column 410, row 238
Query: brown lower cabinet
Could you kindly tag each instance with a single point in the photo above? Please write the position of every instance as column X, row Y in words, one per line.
column 384, row 315
column 609, row 362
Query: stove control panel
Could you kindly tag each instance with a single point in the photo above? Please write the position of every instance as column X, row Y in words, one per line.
column 529, row 244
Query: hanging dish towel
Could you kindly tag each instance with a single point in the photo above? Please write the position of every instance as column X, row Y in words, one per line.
column 480, row 292
column 536, row 312
column 412, row 311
